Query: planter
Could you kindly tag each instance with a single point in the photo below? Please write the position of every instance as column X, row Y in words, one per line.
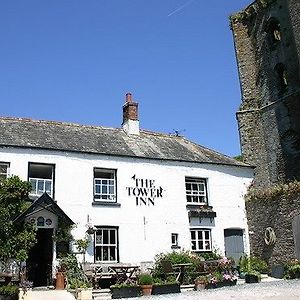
column 146, row 289
column 200, row 285
column 125, row 292
column 84, row 294
column 60, row 281
column 9, row 297
column 165, row 288
column 250, row 278
column 221, row 284
column 277, row 271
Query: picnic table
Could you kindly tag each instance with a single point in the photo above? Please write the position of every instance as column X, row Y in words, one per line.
column 125, row 273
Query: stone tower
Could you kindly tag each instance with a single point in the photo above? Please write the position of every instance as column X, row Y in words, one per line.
column 267, row 44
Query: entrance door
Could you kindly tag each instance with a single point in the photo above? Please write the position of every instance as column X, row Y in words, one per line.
column 296, row 234
column 39, row 263
column 234, row 243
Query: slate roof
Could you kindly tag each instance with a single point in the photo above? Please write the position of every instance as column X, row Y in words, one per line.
column 27, row 133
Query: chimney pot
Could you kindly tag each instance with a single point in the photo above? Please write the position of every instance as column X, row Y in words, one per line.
column 128, row 97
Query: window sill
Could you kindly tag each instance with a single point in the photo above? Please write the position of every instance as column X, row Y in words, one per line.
column 175, row 247
column 198, row 206
column 103, row 203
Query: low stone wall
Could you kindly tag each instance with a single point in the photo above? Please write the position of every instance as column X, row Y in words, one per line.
column 277, row 213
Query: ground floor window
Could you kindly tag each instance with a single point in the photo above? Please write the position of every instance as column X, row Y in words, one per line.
column 201, row 239
column 106, row 244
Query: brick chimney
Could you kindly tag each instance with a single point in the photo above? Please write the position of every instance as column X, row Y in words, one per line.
column 130, row 116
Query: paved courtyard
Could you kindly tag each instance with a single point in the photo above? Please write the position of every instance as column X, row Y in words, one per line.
column 275, row 290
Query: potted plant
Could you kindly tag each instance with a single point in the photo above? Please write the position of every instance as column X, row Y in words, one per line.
column 252, row 276
column 145, row 280
column 9, row 292
column 201, row 282
column 170, row 285
column 125, row 290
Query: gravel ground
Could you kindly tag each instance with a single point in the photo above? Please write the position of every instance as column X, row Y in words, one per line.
column 276, row 290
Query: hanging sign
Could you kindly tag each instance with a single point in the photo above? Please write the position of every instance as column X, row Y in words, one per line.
column 145, row 191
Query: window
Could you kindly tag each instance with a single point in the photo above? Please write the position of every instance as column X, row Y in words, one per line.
column 106, row 244
column 273, row 29
column 282, row 80
column 4, row 170
column 201, row 239
column 196, row 190
column 104, row 185
column 41, row 178
column 174, row 239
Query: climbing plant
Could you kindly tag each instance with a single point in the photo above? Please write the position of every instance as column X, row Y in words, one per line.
column 16, row 239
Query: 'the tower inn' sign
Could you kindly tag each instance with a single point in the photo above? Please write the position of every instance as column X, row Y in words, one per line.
column 145, row 191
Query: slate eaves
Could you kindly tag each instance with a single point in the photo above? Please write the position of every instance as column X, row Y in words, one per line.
column 27, row 133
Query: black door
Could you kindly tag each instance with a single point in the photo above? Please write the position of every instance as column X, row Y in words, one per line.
column 39, row 263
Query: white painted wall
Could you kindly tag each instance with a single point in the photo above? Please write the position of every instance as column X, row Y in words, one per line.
column 144, row 231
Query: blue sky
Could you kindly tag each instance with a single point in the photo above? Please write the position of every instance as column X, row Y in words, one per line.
column 74, row 60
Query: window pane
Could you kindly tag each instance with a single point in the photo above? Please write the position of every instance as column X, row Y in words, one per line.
column 48, row 186
column 112, row 253
column 193, row 235
column 112, row 237
column 105, row 236
column 40, row 187
column 206, row 235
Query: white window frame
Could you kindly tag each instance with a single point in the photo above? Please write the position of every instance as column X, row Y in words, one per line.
column 174, row 239
column 6, row 174
column 196, row 196
column 36, row 192
column 107, row 246
column 201, row 239
column 105, row 183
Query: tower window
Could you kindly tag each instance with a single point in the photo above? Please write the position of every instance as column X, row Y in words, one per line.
column 273, row 30
column 281, row 76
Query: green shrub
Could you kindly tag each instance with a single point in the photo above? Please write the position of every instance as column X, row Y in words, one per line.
column 9, row 289
column 145, row 279
column 251, row 263
column 293, row 269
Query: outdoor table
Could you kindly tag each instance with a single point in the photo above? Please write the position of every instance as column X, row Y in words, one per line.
column 182, row 272
column 125, row 273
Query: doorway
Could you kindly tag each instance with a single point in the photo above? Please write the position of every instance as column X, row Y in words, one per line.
column 39, row 262
column 234, row 243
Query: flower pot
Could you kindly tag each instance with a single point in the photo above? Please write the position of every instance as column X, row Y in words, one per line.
column 199, row 285
column 250, row 278
column 60, row 281
column 9, row 297
column 165, row 288
column 146, row 289
column 125, row 292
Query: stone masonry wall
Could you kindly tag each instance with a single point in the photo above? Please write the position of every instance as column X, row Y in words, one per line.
column 278, row 214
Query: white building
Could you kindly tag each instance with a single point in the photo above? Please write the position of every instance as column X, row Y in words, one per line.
column 145, row 192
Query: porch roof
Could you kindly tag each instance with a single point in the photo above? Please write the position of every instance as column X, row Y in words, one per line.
column 47, row 203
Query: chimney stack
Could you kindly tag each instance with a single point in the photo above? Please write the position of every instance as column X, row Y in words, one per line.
column 130, row 116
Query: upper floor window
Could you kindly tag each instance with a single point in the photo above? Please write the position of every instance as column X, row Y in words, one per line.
column 196, row 190
column 104, row 185
column 41, row 177
column 4, row 170
column 201, row 239
column 106, row 244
